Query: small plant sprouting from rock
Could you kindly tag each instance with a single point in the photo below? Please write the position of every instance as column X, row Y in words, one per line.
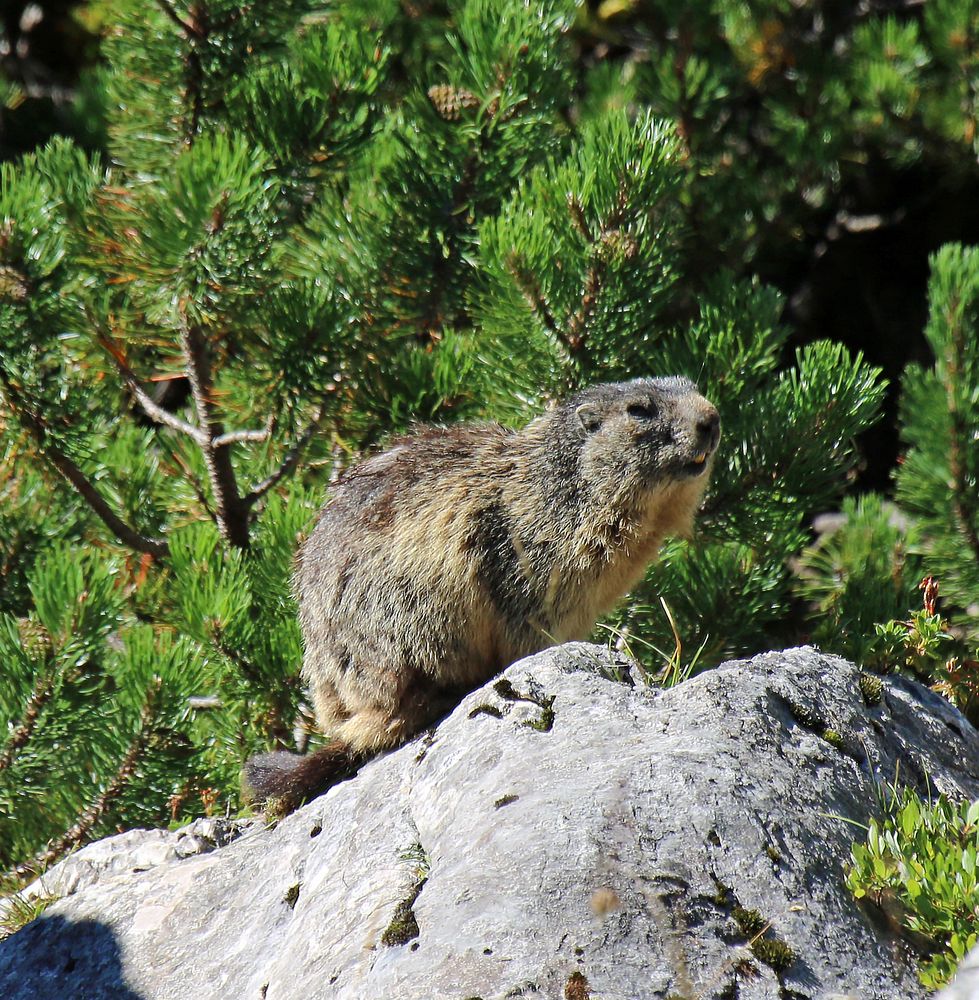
column 506, row 690
column 924, row 646
column 922, row 859
column 724, row 895
column 545, row 720
column 490, row 710
column 834, row 737
column 872, row 689
column 810, row 718
column 534, row 695
column 807, row 717
column 775, row 953
column 662, row 668
column 577, row 988
column 750, row 922
column 19, row 911
column 404, row 927
column 746, row 969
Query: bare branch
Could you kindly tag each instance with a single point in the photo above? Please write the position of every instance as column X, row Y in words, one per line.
column 185, row 26
column 232, row 513
column 237, row 437
column 148, row 405
column 289, row 463
column 156, row 547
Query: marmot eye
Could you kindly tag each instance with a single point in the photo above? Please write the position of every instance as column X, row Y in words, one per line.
column 644, row 411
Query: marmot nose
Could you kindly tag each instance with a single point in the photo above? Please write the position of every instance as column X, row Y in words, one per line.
column 708, row 429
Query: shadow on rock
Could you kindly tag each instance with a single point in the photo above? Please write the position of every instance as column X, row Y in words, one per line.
column 57, row 959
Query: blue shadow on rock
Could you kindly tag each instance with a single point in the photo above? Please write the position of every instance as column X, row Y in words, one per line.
column 53, row 958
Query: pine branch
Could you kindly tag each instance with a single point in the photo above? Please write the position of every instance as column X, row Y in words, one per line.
column 190, row 30
column 80, row 831
column 246, row 668
column 195, row 484
column 275, row 722
column 149, row 406
column 41, row 694
column 963, row 498
column 156, row 547
column 432, row 315
column 196, row 33
column 289, row 463
column 232, row 513
column 576, row 335
column 578, row 219
column 238, row 437
column 531, row 291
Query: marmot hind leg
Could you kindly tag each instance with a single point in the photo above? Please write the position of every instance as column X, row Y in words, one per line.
column 374, row 729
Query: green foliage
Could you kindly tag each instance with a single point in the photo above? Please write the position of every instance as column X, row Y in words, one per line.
column 573, row 253
column 790, row 113
column 723, row 597
column 97, row 705
column 924, row 646
column 918, row 645
column 862, row 574
column 919, row 865
column 938, row 480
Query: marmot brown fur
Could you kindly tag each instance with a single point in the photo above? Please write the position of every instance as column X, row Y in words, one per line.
column 460, row 550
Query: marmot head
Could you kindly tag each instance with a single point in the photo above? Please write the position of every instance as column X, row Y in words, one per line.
column 649, row 432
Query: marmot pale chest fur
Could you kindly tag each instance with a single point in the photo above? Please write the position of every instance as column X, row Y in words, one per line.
column 459, row 550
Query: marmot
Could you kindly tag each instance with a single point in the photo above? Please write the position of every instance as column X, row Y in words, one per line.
column 460, row 550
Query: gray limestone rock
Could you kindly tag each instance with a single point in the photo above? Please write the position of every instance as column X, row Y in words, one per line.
column 564, row 833
column 965, row 985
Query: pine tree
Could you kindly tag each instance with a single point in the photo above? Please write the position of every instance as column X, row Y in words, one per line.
column 938, row 481
column 865, row 578
column 313, row 227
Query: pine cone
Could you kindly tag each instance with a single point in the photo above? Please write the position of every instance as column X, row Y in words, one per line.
column 14, row 286
column 450, row 102
column 34, row 638
column 616, row 244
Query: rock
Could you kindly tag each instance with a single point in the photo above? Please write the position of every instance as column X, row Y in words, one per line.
column 133, row 851
column 965, row 985
column 564, row 833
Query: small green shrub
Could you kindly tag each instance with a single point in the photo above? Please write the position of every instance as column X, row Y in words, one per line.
column 919, row 862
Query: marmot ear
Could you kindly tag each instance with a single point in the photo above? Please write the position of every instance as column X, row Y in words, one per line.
column 589, row 417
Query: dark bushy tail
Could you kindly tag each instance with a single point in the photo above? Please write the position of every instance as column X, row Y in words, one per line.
column 293, row 777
